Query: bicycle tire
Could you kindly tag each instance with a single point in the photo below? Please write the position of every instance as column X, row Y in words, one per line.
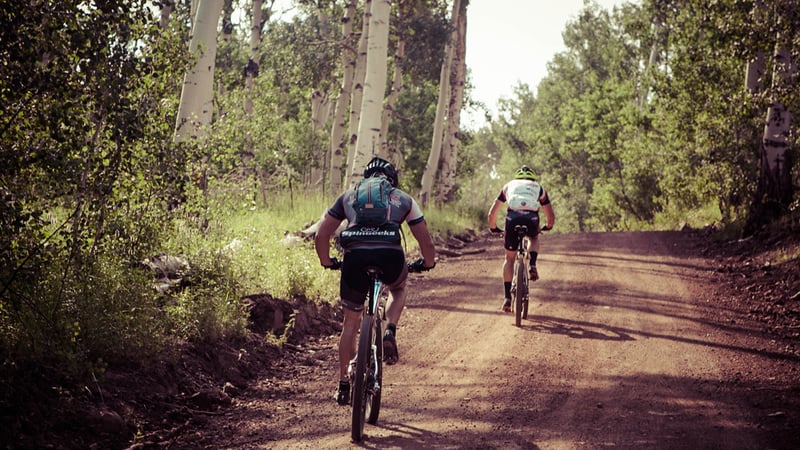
column 519, row 291
column 525, row 299
column 374, row 403
column 360, row 382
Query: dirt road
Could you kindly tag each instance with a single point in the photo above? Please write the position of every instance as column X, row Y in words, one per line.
column 624, row 348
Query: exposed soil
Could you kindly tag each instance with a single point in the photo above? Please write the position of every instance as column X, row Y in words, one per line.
column 634, row 340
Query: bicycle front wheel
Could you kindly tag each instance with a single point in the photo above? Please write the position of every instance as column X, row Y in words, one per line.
column 360, row 381
column 519, row 292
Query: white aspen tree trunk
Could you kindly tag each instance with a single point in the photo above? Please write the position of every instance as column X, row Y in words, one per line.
column 646, row 78
column 251, row 70
column 369, row 124
column 775, row 180
column 338, row 126
column 250, row 74
column 432, row 167
column 387, row 151
column 226, row 35
column 320, row 111
column 357, row 92
column 195, row 109
column 756, row 67
column 449, row 167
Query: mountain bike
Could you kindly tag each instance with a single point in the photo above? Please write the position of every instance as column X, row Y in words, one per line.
column 519, row 284
column 366, row 372
column 367, row 375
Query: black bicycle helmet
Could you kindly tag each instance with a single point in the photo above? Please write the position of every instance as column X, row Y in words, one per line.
column 380, row 165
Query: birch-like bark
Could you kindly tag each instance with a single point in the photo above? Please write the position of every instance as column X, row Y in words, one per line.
column 320, row 111
column 195, row 109
column 389, row 152
column 369, row 124
column 339, row 116
column 449, row 165
column 357, row 92
column 251, row 70
column 432, row 167
column 776, row 180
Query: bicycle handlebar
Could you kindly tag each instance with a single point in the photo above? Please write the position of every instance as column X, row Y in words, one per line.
column 418, row 266
column 501, row 231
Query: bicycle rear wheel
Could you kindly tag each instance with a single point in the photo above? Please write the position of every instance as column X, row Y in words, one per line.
column 525, row 300
column 376, row 372
column 519, row 292
column 360, row 384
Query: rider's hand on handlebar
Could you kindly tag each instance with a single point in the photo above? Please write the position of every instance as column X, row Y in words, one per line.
column 419, row 266
column 335, row 264
column 547, row 227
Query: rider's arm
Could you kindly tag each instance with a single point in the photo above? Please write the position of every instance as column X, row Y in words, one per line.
column 322, row 240
column 493, row 213
column 423, row 237
column 549, row 215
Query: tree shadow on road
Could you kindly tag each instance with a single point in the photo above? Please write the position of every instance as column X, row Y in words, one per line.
column 575, row 329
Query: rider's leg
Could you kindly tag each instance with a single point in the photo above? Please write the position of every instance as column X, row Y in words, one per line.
column 508, row 265
column 508, row 275
column 533, row 248
column 347, row 340
column 395, row 304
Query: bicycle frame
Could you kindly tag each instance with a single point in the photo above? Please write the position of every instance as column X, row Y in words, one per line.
column 368, row 375
column 519, row 284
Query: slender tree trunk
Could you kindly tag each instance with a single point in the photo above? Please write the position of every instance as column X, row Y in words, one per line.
column 646, row 77
column 432, row 167
column 369, row 124
column 320, row 111
column 348, row 68
column 775, row 182
column 449, row 166
column 195, row 109
column 775, row 188
column 388, row 151
column 358, row 89
column 250, row 74
column 251, row 70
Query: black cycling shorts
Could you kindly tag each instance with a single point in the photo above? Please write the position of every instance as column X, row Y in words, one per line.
column 527, row 218
column 354, row 284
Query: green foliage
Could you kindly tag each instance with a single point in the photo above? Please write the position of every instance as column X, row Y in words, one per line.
column 644, row 116
column 209, row 309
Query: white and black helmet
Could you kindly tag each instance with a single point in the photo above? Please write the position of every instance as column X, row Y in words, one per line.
column 380, row 165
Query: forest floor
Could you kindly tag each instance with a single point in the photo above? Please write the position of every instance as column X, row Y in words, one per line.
column 634, row 340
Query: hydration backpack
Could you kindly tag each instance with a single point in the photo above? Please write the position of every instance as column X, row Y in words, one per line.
column 372, row 202
column 373, row 210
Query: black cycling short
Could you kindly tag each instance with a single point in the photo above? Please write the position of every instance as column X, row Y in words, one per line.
column 354, row 284
column 513, row 218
